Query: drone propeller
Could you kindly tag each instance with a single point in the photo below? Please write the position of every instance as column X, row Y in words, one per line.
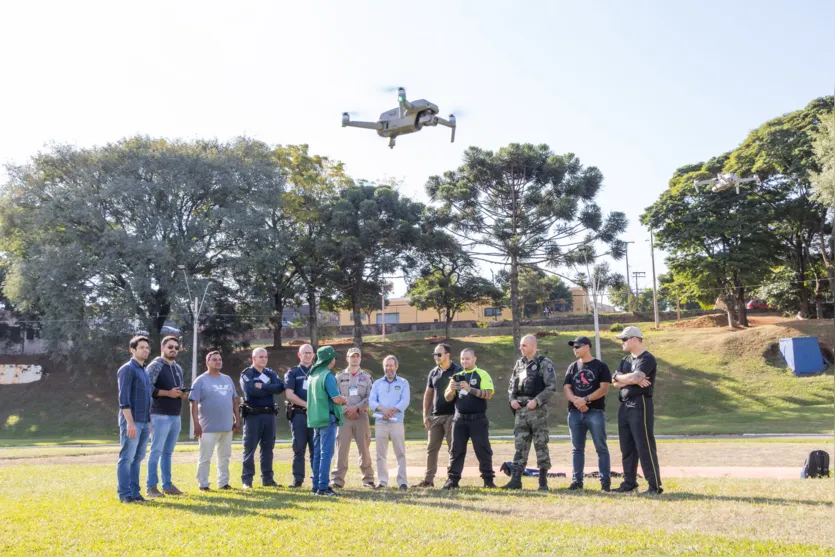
column 389, row 89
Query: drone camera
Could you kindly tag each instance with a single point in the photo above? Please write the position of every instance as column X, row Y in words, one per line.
column 345, row 119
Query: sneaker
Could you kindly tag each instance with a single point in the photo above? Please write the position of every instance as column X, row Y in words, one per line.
column 426, row 483
column 271, row 484
column 138, row 499
column 404, row 487
column 622, row 488
column 314, row 491
column 126, row 500
column 153, row 493
column 652, row 491
column 380, row 486
column 575, row 486
column 172, row 490
column 334, row 486
column 246, row 486
column 328, row 493
column 450, row 484
column 369, row 485
column 295, row 484
column 489, row 484
column 207, row 488
column 226, row 487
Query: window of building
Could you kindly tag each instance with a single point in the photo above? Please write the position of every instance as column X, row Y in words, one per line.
column 390, row 318
column 492, row 312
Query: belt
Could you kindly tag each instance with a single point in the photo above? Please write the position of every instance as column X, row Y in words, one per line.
column 255, row 410
column 469, row 416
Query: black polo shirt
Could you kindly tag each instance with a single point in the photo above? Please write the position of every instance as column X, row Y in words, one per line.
column 438, row 380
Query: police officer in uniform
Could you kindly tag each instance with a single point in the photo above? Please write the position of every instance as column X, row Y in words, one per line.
column 532, row 384
column 635, row 377
column 260, row 384
column 470, row 389
column 295, row 383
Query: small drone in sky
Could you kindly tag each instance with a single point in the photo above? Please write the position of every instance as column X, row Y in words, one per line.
column 723, row 182
column 408, row 117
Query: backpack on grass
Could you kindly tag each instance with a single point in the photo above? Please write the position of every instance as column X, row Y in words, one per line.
column 816, row 465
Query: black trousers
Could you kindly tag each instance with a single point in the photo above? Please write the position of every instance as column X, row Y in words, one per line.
column 302, row 437
column 636, row 417
column 475, row 430
column 259, row 430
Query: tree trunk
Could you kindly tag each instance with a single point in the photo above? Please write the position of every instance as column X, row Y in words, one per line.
column 802, row 291
column 278, row 306
column 313, row 318
column 514, row 302
column 730, row 305
column 742, row 311
column 448, row 323
column 357, row 311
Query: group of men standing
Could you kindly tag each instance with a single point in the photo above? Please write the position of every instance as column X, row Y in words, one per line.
column 327, row 412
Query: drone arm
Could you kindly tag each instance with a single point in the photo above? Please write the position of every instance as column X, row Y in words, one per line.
column 704, row 182
column 448, row 123
column 366, row 125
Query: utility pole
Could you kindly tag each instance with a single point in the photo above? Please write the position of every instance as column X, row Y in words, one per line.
column 654, row 288
column 383, row 312
column 628, row 289
column 637, row 275
column 198, row 305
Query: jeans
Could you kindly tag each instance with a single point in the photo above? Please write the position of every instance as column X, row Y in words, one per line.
column 166, row 432
column 578, row 424
column 130, row 458
column 324, row 439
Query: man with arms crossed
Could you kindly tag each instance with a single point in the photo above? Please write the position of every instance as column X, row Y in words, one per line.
column 635, row 377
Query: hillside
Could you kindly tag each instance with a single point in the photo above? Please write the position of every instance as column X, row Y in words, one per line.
column 710, row 380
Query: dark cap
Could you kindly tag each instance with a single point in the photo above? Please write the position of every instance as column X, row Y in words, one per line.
column 579, row 341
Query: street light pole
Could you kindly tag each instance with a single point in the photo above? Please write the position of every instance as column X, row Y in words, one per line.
column 628, row 289
column 654, row 288
column 198, row 305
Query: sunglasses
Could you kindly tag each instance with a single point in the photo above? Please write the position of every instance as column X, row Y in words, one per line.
column 436, row 355
column 577, row 346
column 172, row 347
column 626, row 339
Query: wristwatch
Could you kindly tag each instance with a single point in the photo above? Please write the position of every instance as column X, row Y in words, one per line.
column 586, row 399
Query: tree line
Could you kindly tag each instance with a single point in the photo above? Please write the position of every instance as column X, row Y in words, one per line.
column 97, row 242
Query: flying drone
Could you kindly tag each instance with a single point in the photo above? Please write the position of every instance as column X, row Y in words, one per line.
column 723, row 182
column 408, row 117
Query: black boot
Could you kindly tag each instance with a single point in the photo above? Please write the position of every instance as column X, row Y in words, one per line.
column 515, row 479
column 488, row 482
column 543, row 479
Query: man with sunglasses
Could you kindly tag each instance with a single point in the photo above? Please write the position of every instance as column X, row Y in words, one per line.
column 635, row 377
column 585, row 386
column 437, row 411
column 167, row 383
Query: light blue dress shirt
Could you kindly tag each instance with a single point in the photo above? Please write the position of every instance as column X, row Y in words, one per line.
column 390, row 394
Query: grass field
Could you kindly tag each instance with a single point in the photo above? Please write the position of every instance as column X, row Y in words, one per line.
column 55, row 504
column 710, row 381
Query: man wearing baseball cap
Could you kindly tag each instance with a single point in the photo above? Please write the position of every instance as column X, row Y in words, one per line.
column 635, row 377
column 355, row 385
column 585, row 386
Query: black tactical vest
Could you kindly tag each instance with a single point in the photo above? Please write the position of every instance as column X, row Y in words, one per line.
column 534, row 382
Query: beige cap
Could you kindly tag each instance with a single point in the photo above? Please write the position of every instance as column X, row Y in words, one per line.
column 629, row 332
column 354, row 351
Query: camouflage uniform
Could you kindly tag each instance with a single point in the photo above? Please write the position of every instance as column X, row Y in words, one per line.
column 532, row 425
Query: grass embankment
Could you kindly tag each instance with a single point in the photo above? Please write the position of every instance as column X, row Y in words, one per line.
column 710, row 381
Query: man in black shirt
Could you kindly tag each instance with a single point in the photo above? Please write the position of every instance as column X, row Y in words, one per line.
column 437, row 411
column 470, row 391
column 586, row 383
column 635, row 377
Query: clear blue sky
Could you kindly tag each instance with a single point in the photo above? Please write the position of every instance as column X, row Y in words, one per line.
column 635, row 88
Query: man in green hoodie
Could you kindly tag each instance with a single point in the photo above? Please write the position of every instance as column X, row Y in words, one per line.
column 324, row 416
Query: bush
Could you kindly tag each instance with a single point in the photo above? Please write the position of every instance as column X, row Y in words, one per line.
column 482, row 324
column 616, row 327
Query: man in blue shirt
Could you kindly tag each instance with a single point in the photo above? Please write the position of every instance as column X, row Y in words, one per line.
column 134, row 419
column 295, row 383
column 389, row 399
column 260, row 384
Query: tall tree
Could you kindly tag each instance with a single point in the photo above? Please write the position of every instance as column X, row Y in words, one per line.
column 720, row 242
column 524, row 205
column 374, row 230
column 95, row 236
column 781, row 152
column 449, row 285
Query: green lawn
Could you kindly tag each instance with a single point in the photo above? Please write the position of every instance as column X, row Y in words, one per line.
column 70, row 509
column 710, row 381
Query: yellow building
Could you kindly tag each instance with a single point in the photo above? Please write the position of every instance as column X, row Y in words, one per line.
column 399, row 311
